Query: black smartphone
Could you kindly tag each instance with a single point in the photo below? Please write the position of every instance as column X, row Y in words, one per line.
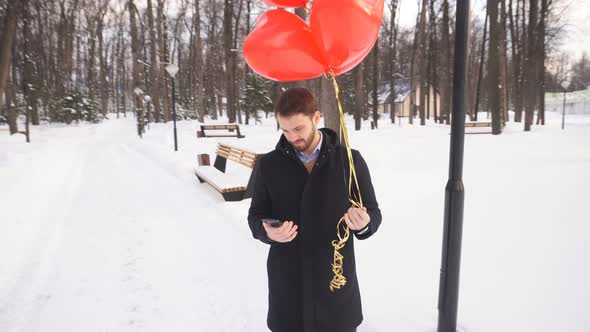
column 272, row 222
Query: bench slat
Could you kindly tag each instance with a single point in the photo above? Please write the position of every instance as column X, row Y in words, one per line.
column 212, row 127
column 236, row 150
column 478, row 132
column 207, row 135
column 230, row 147
column 218, row 180
column 237, row 160
column 238, row 155
column 478, row 124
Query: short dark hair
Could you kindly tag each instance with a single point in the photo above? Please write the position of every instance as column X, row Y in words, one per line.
column 296, row 100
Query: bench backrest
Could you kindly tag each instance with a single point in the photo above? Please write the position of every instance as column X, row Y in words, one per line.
column 478, row 124
column 213, row 127
column 240, row 156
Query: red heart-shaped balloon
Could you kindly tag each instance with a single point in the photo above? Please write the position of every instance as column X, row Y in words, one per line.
column 345, row 30
column 282, row 48
column 286, row 3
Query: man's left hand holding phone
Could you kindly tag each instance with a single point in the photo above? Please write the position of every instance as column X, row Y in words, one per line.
column 279, row 231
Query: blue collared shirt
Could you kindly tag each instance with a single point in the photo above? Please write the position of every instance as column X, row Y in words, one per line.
column 314, row 155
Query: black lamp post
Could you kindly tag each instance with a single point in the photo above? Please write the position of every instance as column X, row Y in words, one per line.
column 565, row 84
column 172, row 69
column 448, row 294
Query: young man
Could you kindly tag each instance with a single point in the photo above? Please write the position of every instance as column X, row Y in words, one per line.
column 302, row 183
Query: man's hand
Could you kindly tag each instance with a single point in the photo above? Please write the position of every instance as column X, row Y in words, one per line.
column 285, row 233
column 357, row 218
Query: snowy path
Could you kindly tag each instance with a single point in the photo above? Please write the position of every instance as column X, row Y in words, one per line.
column 120, row 252
column 102, row 231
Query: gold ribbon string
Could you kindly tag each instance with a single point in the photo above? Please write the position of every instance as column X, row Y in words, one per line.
column 338, row 280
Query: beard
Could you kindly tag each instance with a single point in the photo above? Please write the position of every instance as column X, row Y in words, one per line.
column 304, row 143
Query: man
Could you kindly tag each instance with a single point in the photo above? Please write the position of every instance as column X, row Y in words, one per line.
column 303, row 183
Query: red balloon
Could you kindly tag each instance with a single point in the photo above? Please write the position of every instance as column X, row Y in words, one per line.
column 286, row 3
column 345, row 30
column 281, row 48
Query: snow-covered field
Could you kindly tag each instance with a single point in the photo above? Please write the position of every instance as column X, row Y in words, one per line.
column 102, row 231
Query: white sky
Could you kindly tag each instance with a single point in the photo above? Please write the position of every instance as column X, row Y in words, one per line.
column 577, row 16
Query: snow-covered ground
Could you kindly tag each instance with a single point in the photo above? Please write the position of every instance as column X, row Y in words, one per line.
column 102, row 231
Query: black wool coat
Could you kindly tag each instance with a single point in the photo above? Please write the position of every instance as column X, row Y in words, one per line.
column 299, row 272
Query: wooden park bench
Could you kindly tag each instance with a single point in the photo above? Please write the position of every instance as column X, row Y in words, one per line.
column 233, row 131
column 18, row 132
column 231, row 187
column 478, row 125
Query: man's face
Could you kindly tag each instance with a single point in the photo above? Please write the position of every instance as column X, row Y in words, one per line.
column 299, row 129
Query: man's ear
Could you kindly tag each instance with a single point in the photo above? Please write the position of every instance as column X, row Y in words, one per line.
column 316, row 118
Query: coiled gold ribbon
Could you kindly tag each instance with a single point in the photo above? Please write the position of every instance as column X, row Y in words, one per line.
column 338, row 280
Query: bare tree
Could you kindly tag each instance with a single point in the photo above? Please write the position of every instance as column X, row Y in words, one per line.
column 162, row 31
column 423, row 65
column 103, row 56
column 155, row 68
column 494, row 67
column 432, row 59
column 359, row 95
column 531, row 67
column 445, row 64
column 541, row 55
column 7, row 38
column 413, row 58
column 481, row 64
column 228, row 11
column 198, row 64
column 375, row 103
column 393, row 29
column 136, row 66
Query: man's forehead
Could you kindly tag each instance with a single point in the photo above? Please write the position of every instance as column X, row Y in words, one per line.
column 293, row 121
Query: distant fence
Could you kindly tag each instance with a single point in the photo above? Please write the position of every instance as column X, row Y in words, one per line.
column 575, row 102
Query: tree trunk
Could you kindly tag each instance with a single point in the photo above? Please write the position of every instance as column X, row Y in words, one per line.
column 433, row 51
column 11, row 111
column 234, row 83
column 229, row 58
column 413, row 82
column 359, row 96
column 503, row 64
column 162, row 29
column 7, row 38
column 248, row 72
column 494, row 67
column 198, row 64
column 103, row 56
column 375, row 84
column 481, row 62
column 90, row 57
column 541, row 61
column 329, row 106
column 445, row 86
column 515, row 41
column 423, row 65
column 531, row 67
column 155, row 68
column 393, row 60
column 29, row 69
column 136, row 67
column 521, row 57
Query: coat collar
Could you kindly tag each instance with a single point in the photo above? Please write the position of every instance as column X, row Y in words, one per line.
column 329, row 143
